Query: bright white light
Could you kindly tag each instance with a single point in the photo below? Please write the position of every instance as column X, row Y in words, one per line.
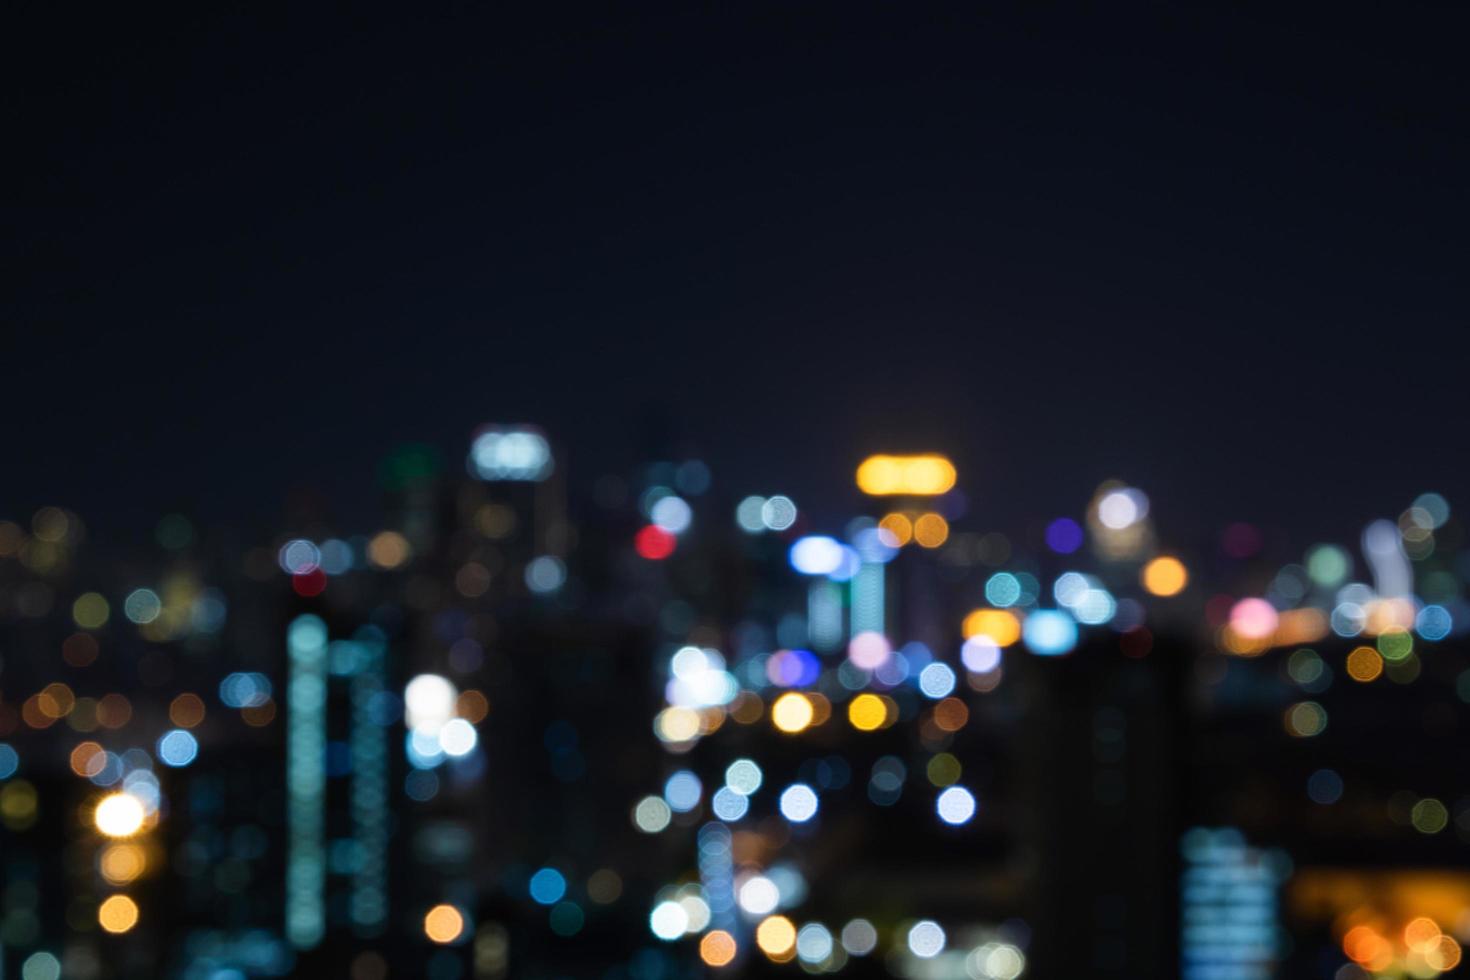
column 859, row 937
column 743, row 776
column 1122, row 508
column 1049, row 632
column 799, row 803
column 672, row 514
column 955, row 806
column 668, row 921
column 816, row 554
column 759, row 896
column 980, row 654
column 926, row 939
column 936, row 680
column 709, row 688
column 119, row 815
column 1096, row 606
column 869, row 650
column 1000, row 961
column 697, row 910
column 458, row 737
column 498, row 454
column 1070, row 587
column 652, row 815
column 688, row 663
column 428, row 702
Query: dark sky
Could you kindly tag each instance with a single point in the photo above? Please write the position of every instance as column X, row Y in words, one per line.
column 1216, row 252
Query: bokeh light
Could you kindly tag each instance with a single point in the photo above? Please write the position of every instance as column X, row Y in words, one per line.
column 117, row 914
column 119, row 815
column 443, row 924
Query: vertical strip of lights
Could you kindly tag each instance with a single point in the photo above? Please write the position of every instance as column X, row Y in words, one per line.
column 306, row 781
column 867, row 598
column 824, row 614
column 369, row 746
column 1229, row 907
column 717, row 873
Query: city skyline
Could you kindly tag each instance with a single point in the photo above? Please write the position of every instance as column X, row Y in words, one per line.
column 935, row 492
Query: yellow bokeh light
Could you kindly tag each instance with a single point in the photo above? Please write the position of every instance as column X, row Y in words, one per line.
column 776, row 937
column 1444, row 955
column 943, row 770
column 388, row 549
column 677, row 724
column 443, row 924
column 1364, row 664
column 923, row 475
column 717, row 948
column 931, row 530
column 122, row 863
column 18, row 804
column 56, row 700
column 1165, row 576
column 1305, row 719
column 119, row 815
column 792, row 712
column 1429, row 816
column 1421, row 934
column 1000, row 626
column 898, row 526
column 90, row 611
column 867, row 712
column 118, row 914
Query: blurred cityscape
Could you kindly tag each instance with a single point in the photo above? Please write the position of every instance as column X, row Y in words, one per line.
column 659, row 727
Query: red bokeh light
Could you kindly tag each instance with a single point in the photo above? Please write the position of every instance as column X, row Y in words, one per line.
column 309, row 583
column 654, row 543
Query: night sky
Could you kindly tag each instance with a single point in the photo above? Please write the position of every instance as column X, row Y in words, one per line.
column 1220, row 254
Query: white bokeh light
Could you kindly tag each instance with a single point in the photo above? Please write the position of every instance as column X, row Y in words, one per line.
column 926, row 939
column 799, row 803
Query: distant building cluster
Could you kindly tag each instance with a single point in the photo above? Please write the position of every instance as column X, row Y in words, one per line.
column 665, row 725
